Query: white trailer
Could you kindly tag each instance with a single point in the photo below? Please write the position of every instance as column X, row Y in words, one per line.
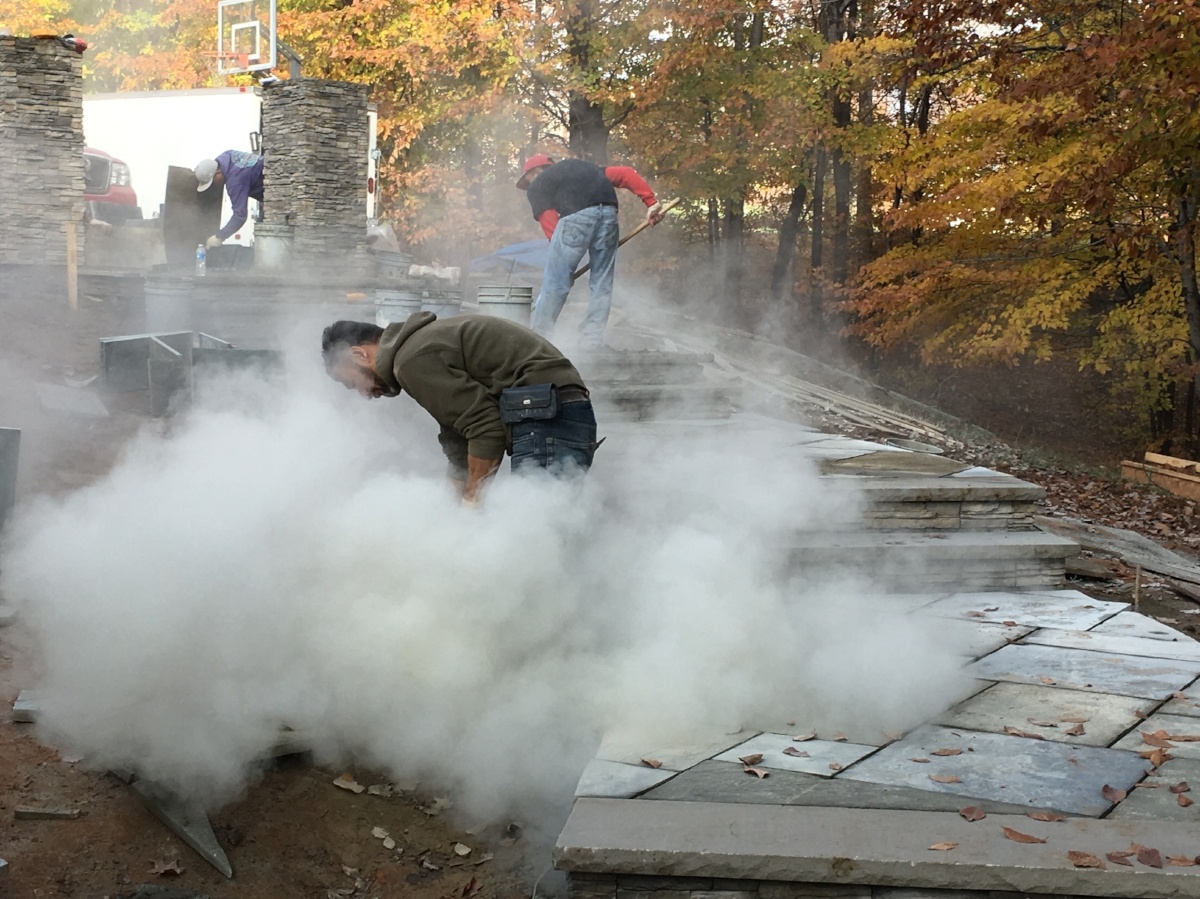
column 153, row 130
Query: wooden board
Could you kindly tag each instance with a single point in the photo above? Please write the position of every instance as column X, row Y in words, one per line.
column 1172, row 480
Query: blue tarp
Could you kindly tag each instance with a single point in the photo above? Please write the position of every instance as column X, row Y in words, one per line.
column 520, row 257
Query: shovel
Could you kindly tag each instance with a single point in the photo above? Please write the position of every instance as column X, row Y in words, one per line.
column 666, row 207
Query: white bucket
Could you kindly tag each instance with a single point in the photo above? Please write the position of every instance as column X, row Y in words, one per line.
column 272, row 246
column 395, row 306
column 510, row 302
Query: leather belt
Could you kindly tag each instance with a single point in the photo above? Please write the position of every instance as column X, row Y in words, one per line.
column 572, row 394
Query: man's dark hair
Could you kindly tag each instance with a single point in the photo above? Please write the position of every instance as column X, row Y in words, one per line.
column 340, row 336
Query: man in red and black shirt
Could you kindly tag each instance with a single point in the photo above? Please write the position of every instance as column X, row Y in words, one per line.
column 575, row 202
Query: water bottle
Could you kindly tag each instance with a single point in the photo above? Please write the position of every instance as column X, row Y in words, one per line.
column 201, row 256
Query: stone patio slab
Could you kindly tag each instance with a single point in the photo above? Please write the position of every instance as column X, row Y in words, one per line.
column 1133, row 624
column 1031, row 773
column 1152, row 800
column 714, row 781
column 980, row 638
column 1188, row 704
column 678, row 756
column 821, row 754
column 615, row 780
column 1077, row 669
column 1172, row 724
column 1065, row 609
column 867, row 846
column 1030, row 708
column 1121, row 644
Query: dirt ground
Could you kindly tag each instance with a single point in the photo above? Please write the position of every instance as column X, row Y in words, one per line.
column 294, row 833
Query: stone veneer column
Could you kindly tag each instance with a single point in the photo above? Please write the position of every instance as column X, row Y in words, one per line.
column 41, row 151
column 314, row 137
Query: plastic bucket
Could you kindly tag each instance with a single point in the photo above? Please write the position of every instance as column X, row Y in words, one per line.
column 395, row 306
column 442, row 303
column 272, row 245
column 168, row 305
column 393, row 265
column 513, row 303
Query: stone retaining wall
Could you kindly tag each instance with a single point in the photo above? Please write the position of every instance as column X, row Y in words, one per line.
column 622, row 886
column 315, row 141
column 41, row 145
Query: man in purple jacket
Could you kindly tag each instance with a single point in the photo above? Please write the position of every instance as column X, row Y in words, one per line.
column 242, row 175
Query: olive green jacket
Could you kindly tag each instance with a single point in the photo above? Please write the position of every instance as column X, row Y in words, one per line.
column 455, row 369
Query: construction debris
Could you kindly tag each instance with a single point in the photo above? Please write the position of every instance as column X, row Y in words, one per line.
column 1178, row 476
column 25, row 709
column 186, row 820
column 30, row 813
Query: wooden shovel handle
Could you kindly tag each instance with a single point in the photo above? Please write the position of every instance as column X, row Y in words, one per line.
column 666, row 207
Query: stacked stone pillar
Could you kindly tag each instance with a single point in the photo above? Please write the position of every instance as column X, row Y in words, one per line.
column 315, row 143
column 41, row 149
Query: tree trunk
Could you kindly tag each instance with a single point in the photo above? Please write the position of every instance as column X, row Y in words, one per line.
column 785, row 253
column 714, row 228
column 588, row 132
column 1187, row 205
column 817, row 257
column 734, row 231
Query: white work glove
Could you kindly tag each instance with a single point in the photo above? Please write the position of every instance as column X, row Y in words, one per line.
column 655, row 214
column 213, row 241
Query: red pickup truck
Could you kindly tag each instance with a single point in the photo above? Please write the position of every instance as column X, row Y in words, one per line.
column 108, row 191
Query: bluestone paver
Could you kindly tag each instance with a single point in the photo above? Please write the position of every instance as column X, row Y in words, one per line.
column 1187, row 703
column 821, row 757
column 1152, row 799
column 1067, row 609
column 674, row 757
column 1186, row 651
column 978, row 638
column 1174, row 725
column 1133, row 624
column 1100, row 672
column 1050, row 712
column 1018, row 770
column 617, row 780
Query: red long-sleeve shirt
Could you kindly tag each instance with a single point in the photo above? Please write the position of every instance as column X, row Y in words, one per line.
column 620, row 176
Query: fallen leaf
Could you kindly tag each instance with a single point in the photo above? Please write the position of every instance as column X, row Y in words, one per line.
column 1017, row 732
column 1017, row 837
column 760, row 773
column 1181, row 787
column 797, row 753
column 655, row 763
column 1152, row 858
column 893, row 735
column 1179, row 694
column 1119, row 858
column 973, row 813
column 1074, row 719
column 389, row 843
column 1183, row 801
column 462, row 850
column 428, row 865
column 945, row 779
column 753, row 759
column 1184, row 738
column 834, row 766
column 472, row 886
column 1181, row 861
column 1009, row 623
column 1145, row 785
column 976, row 614
column 1075, row 730
column 946, row 752
column 803, row 738
column 346, row 782
column 163, row 866
column 379, row 833
column 1072, row 760
column 942, row 847
column 1052, row 817
column 1139, row 714
column 1112, row 794
column 1048, row 681
column 1043, row 723
column 1156, row 756
column 992, row 609
column 1084, row 859
column 920, row 761
column 840, row 737
column 1157, row 739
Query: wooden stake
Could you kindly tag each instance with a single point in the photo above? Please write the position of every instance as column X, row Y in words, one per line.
column 72, row 266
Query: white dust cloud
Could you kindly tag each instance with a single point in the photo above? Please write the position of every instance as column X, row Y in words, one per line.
column 298, row 560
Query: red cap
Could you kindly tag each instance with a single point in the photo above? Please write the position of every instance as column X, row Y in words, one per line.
column 536, row 161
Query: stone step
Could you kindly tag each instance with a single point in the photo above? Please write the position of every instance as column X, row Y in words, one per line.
column 703, row 850
column 957, row 560
column 662, row 402
column 987, row 501
column 637, row 367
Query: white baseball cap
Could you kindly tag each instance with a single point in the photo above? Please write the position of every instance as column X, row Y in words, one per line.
column 206, row 170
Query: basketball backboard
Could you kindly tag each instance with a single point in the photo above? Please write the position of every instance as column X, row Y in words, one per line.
column 245, row 36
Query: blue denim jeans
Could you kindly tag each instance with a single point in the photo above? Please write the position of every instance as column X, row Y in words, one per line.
column 593, row 231
column 562, row 445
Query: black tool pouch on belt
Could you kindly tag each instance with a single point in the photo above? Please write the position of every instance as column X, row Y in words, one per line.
column 528, row 403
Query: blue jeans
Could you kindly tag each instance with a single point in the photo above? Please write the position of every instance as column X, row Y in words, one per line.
column 564, row 444
column 593, row 231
